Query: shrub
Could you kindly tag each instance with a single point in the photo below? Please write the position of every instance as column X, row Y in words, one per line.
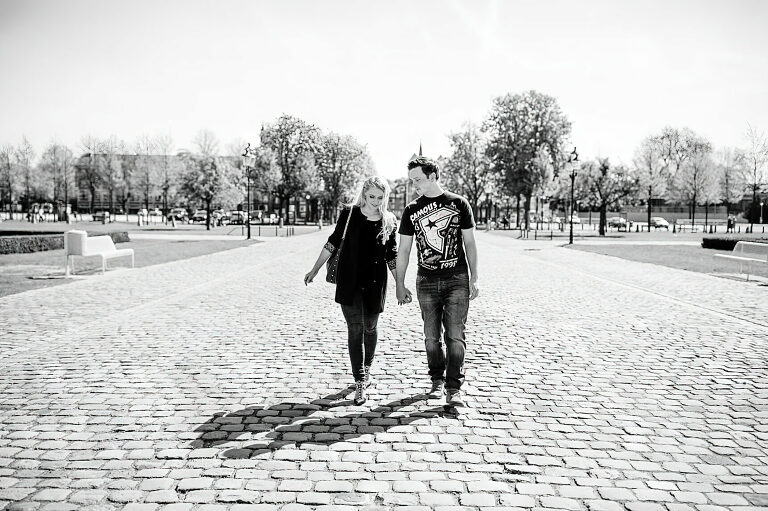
column 728, row 241
column 41, row 242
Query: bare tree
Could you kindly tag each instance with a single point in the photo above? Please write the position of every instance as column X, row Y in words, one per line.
column 8, row 173
column 89, row 167
column 57, row 161
column 693, row 174
column 730, row 177
column 652, row 169
column 754, row 159
column 23, row 156
column 146, row 169
column 111, row 150
column 168, row 171
column 206, row 143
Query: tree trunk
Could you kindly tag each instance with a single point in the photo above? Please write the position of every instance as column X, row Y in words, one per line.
column 706, row 215
column 517, row 211
column 693, row 212
column 208, row 215
column 527, row 208
column 603, row 219
column 650, row 207
column 93, row 198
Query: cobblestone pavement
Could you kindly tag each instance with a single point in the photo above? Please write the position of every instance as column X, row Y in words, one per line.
column 221, row 382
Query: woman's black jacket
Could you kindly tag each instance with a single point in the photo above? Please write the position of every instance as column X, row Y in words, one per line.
column 373, row 287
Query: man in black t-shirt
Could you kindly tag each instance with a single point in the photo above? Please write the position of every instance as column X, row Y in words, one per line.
column 446, row 281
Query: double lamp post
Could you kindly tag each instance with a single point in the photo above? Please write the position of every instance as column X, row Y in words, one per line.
column 573, row 163
column 249, row 163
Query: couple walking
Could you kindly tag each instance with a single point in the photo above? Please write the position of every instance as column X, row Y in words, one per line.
column 443, row 225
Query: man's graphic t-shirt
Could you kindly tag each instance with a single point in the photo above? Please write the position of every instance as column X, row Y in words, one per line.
column 436, row 223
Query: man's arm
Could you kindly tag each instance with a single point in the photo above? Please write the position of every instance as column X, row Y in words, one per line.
column 470, row 247
column 403, row 255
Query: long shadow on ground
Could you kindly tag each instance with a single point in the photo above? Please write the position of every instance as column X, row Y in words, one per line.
column 289, row 424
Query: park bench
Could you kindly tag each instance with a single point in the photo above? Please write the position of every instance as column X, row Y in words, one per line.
column 747, row 252
column 77, row 243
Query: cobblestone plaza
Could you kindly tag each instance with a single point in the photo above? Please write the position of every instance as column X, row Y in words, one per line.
column 222, row 382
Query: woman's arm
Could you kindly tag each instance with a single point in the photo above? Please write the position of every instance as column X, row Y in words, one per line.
column 325, row 254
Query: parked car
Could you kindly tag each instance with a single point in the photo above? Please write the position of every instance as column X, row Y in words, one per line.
column 178, row 214
column 237, row 217
column 199, row 215
column 99, row 216
column 617, row 221
column 155, row 212
column 659, row 222
column 575, row 218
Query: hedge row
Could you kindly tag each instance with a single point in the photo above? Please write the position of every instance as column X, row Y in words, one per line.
column 727, row 242
column 42, row 242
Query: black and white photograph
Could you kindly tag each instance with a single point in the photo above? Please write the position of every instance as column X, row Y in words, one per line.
column 359, row 255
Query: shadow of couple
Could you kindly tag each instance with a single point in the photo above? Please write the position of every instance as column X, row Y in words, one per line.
column 293, row 424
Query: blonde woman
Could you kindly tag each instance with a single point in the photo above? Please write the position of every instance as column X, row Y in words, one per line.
column 361, row 282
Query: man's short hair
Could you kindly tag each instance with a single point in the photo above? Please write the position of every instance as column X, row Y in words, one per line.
column 428, row 166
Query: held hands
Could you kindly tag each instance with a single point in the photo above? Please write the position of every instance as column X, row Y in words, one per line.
column 474, row 288
column 309, row 277
column 403, row 295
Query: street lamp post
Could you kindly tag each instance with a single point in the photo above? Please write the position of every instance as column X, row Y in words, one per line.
column 249, row 162
column 573, row 160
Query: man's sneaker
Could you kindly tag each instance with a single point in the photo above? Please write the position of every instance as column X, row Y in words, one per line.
column 367, row 381
column 453, row 398
column 359, row 393
column 437, row 388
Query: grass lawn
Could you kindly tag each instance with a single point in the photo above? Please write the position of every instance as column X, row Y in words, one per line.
column 22, row 272
column 684, row 257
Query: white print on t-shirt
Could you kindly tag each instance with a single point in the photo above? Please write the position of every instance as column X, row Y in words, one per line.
column 437, row 235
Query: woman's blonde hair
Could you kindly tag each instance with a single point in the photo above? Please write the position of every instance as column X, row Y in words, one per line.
column 388, row 220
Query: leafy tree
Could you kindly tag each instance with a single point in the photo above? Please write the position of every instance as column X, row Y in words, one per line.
column 206, row 179
column 341, row 163
column 467, row 170
column 605, row 185
column 294, row 144
column 522, row 128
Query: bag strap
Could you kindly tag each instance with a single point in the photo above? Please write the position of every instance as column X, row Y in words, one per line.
column 344, row 236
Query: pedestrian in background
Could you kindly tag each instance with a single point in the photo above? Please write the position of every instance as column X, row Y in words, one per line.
column 366, row 251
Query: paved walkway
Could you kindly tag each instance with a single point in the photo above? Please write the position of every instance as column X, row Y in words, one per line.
column 221, row 382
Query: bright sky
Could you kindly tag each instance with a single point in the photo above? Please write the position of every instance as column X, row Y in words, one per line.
column 390, row 73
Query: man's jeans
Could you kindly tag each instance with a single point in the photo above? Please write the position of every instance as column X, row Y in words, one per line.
column 362, row 335
column 444, row 302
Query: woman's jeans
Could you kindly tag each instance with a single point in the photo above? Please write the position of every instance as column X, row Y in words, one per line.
column 444, row 302
column 363, row 334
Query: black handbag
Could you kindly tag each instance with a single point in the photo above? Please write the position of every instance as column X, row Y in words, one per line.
column 333, row 262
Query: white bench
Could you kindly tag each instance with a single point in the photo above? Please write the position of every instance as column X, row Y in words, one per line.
column 747, row 252
column 77, row 243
